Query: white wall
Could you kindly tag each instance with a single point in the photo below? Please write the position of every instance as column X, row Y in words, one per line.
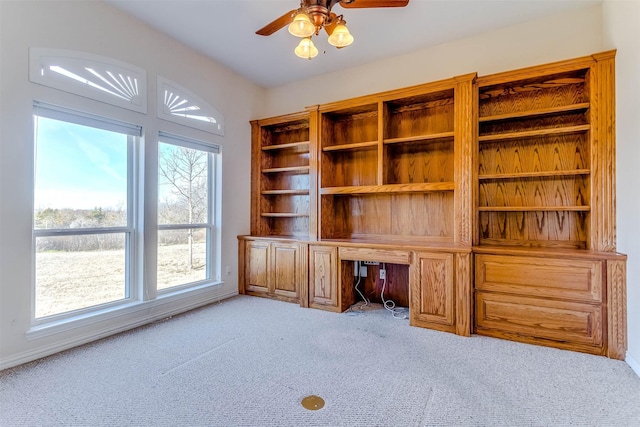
column 615, row 24
column 622, row 31
column 100, row 29
column 555, row 38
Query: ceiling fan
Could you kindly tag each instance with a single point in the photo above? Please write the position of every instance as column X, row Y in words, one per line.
column 314, row 15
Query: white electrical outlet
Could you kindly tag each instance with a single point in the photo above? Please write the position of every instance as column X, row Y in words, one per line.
column 363, row 271
column 383, row 273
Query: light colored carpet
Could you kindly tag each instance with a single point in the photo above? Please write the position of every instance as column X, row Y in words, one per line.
column 249, row 362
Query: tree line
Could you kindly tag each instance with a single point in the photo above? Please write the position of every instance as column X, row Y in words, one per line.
column 183, row 171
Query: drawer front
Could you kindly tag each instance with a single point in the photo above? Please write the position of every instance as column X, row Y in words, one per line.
column 571, row 279
column 379, row 255
column 553, row 320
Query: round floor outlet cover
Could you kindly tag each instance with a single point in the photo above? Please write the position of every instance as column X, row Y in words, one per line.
column 313, row 403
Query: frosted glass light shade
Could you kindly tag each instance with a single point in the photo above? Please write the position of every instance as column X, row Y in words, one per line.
column 302, row 25
column 340, row 36
column 306, row 49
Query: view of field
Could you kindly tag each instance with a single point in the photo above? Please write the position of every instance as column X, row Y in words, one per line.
column 81, row 208
column 74, row 280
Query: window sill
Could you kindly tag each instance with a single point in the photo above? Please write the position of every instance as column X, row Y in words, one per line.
column 133, row 313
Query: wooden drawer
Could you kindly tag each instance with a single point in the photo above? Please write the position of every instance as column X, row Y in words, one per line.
column 379, row 255
column 571, row 279
column 566, row 322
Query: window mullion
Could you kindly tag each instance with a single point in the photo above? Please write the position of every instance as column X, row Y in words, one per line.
column 211, row 238
column 181, row 226
column 80, row 231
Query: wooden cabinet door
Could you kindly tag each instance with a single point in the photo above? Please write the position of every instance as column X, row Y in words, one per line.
column 257, row 267
column 323, row 278
column 284, row 269
column 432, row 299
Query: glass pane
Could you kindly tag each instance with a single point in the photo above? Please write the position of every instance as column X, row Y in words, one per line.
column 74, row 272
column 182, row 257
column 80, row 176
column 183, row 177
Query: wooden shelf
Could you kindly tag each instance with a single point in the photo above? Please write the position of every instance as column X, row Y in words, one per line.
column 301, row 192
column 419, row 138
column 534, row 208
column 283, row 215
column 535, row 133
column 537, row 113
column 389, row 188
column 292, row 169
column 542, row 174
column 286, row 146
column 352, row 146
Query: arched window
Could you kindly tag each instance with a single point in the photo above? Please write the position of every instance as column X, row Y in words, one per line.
column 93, row 76
column 179, row 105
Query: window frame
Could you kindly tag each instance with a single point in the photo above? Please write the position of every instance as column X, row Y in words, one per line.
column 130, row 230
column 214, row 211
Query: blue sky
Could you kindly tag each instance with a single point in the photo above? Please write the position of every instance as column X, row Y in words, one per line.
column 79, row 167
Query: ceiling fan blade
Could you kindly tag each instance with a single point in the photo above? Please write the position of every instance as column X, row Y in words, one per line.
column 277, row 24
column 361, row 4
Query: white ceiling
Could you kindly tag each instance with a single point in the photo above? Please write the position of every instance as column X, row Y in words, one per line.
column 224, row 30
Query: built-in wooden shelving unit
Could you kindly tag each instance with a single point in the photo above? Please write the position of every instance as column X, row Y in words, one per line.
column 283, row 188
column 545, row 207
column 490, row 201
column 534, row 159
column 391, row 154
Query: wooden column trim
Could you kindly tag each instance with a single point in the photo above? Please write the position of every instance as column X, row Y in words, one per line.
column 241, row 265
column 465, row 133
column 463, row 293
column 303, row 271
column 382, row 115
column 616, row 309
column 314, row 173
column 255, row 177
column 603, row 147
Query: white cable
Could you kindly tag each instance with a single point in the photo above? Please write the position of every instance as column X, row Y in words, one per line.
column 364, row 299
column 389, row 304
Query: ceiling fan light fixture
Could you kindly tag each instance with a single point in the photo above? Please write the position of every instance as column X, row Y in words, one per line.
column 302, row 25
column 306, row 49
column 340, row 37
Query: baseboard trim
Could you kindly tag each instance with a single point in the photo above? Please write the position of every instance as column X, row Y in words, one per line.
column 635, row 365
column 161, row 309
